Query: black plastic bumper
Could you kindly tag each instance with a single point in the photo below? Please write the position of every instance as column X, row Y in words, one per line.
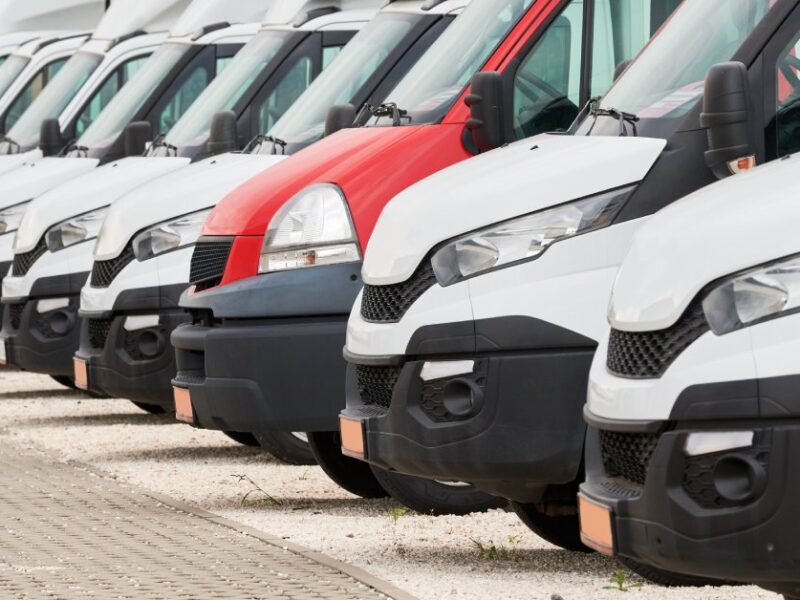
column 269, row 357
column 517, row 427
column 683, row 517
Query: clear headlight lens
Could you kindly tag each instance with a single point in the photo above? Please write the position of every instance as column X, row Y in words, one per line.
column 10, row 217
column 524, row 238
column 766, row 292
column 75, row 230
column 313, row 228
column 169, row 235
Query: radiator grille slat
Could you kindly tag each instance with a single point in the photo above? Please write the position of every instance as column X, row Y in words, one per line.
column 23, row 262
column 105, row 271
column 388, row 303
column 208, row 263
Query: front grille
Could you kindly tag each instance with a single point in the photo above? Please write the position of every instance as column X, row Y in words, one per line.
column 24, row 262
column 388, row 303
column 376, row 384
column 208, row 263
column 105, row 271
column 98, row 332
column 627, row 455
column 15, row 314
column 647, row 355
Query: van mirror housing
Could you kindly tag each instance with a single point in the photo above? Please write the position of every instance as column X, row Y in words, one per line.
column 341, row 116
column 485, row 100
column 223, row 134
column 727, row 117
column 51, row 140
column 136, row 137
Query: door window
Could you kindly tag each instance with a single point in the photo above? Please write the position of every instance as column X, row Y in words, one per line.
column 785, row 138
column 32, row 91
column 183, row 98
column 293, row 84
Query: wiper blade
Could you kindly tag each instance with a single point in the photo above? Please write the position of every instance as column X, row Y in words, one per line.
column 390, row 109
column 262, row 139
column 160, row 142
column 624, row 118
column 13, row 146
column 72, row 146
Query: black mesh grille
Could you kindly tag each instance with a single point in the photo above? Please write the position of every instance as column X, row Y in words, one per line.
column 208, row 263
column 375, row 384
column 388, row 303
column 105, row 271
column 627, row 455
column 24, row 262
column 98, row 332
column 15, row 314
column 649, row 354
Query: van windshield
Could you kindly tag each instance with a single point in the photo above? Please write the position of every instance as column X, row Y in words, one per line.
column 10, row 70
column 340, row 83
column 24, row 135
column 124, row 105
column 434, row 84
column 666, row 80
column 226, row 91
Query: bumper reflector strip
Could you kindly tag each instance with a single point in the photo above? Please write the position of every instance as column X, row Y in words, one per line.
column 596, row 526
column 352, row 432
column 183, row 405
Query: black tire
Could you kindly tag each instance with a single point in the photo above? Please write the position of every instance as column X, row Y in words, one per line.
column 667, row 578
column 563, row 531
column 244, row 438
column 153, row 409
column 353, row 475
column 286, row 446
column 67, row 382
column 430, row 497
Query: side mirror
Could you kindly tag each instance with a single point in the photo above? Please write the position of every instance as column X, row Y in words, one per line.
column 136, row 137
column 223, row 134
column 51, row 140
column 341, row 116
column 728, row 118
column 486, row 123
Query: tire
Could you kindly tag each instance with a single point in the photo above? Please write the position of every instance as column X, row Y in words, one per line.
column 244, row 438
column 286, row 446
column 67, row 382
column 668, row 578
column 563, row 531
column 430, row 497
column 153, row 409
column 353, row 475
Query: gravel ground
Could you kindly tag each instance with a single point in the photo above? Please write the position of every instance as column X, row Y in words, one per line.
column 430, row 557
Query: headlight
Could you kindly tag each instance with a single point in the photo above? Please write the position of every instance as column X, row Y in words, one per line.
column 75, row 230
column 313, row 228
column 764, row 293
column 524, row 238
column 10, row 217
column 169, row 235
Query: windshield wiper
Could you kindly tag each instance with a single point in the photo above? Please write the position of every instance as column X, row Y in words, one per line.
column 160, row 142
column 261, row 139
column 72, row 146
column 624, row 118
column 12, row 145
column 390, row 109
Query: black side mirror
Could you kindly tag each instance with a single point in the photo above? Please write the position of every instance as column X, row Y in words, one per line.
column 223, row 134
column 486, row 123
column 728, row 118
column 136, row 136
column 341, row 116
column 51, row 140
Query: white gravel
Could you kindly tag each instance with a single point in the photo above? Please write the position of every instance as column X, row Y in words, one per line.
column 430, row 557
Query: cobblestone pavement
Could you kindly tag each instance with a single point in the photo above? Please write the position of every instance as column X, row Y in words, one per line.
column 68, row 532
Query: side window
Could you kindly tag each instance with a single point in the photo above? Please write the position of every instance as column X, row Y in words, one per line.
column 32, row 91
column 182, row 98
column 785, row 130
column 329, row 54
column 294, row 83
column 547, row 84
column 106, row 92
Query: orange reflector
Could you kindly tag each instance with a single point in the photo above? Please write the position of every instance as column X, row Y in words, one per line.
column 183, row 405
column 3, row 357
column 81, row 372
column 596, row 526
column 352, row 437
column 740, row 165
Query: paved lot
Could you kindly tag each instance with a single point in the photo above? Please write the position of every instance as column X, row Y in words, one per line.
column 431, row 558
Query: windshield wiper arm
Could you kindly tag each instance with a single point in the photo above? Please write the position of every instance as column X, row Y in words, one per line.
column 160, row 142
column 11, row 144
column 390, row 109
column 263, row 138
column 623, row 117
column 72, row 146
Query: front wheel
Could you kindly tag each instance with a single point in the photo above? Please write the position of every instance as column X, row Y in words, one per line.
column 431, row 497
column 153, row 409
column 667, row 578
column 562, row 530
column 244, row 438
column 353, row 475
column 289, row 447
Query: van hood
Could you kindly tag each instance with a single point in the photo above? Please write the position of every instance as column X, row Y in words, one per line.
column 196, row 187
column 83, row 192
column 527, row 176
column 10, row 162
column 741, row 222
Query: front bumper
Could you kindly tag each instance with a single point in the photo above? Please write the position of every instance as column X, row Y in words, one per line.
column 685, row 516
column 127, row 353
column 264, row 353
column 511, row 425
